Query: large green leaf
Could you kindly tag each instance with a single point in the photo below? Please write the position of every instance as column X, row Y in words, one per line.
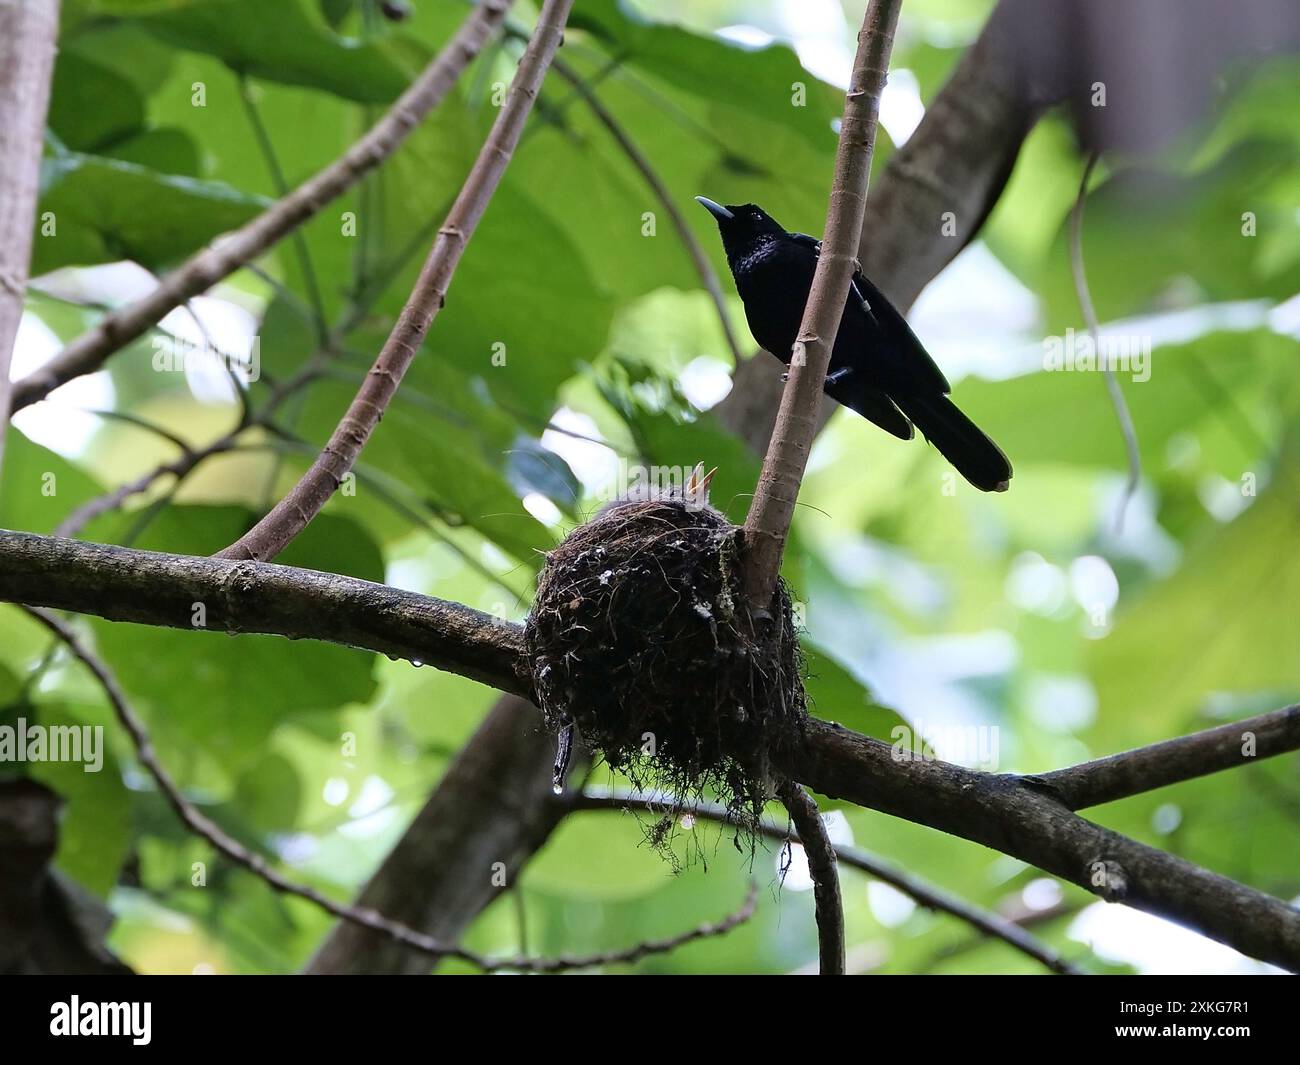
column 1147, row 232
column 759, row 81
column 94, row 833
column 1224, row 625
column 92, row 106
column 107, row 209
column 1188, row 385
column 287, row 41
column 38, row 488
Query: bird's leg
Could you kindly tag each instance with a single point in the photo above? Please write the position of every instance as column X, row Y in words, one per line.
column 832, row 378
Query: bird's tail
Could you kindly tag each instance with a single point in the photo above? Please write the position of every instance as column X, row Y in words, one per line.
column 959, row 440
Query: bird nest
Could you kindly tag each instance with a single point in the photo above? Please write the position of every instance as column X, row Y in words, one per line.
column 640, row 640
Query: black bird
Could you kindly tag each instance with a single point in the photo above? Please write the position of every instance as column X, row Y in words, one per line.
column 878, row 367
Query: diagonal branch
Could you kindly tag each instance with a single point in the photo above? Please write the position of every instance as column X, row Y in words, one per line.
column 123, row 584
column 28, row 34
column 768, row 523
column 114, row 331
column 1228, row 746
column 293, row 513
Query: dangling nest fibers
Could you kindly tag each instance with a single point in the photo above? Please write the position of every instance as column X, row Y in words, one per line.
column 639, row 637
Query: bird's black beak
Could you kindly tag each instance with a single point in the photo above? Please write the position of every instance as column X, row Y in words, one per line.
column 716, row 209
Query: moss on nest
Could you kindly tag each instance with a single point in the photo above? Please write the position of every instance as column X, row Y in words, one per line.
column 640, row 639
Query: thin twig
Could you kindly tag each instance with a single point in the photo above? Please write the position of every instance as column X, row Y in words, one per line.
column 127, row 418
column 188, row 460
column 272, row 159
column 708, row 276
column 204, row 269
column 821, row 867
column 921, row 891
column 223, row 843
column 390, row 490
column 768, row 522
column 305, row 500
column 1122, row 413
column 179, row 467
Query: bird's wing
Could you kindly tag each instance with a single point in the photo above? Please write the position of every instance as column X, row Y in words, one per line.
column 816, row 246
column 886, row 318
column 873, row 405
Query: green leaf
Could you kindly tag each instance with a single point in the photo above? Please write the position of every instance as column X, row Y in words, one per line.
column 168, row 151
column 107, row 209
column 576, row 859
column 94, row 832
column 759, row 81
column 1222, row 626
column 837, row 695
column 1144, row 230
column 1189, row 384
column 92, row 106
column 38, row 488
column 287, row 41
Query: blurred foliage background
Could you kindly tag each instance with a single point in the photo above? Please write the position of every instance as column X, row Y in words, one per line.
column 1030, row 612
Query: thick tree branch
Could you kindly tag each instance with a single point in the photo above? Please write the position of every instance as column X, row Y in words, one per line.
column 305, row 500
column 768, row 523
column 1019, row 816
column 28, row 32
column 921, row 891
column 1229, row 746
column 123, row 584
column 1023, row 818
column 88, row 352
